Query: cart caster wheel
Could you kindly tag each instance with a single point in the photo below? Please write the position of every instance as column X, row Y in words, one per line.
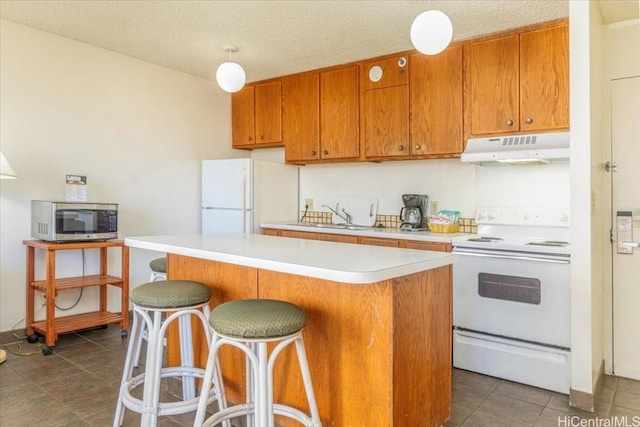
column 124, row 333
column 47, row 351
column 32, row 339
column 104, row 326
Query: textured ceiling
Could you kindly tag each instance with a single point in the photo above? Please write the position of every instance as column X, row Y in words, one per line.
column 274, row 37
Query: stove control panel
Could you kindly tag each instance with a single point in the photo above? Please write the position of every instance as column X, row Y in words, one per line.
column 523, row 216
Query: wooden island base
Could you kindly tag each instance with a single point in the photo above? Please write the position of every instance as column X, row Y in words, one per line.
column 379, row 354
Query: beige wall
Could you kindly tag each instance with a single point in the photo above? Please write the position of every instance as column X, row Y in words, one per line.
column 136, row 130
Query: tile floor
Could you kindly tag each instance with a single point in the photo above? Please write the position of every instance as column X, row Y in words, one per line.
column 78, row 386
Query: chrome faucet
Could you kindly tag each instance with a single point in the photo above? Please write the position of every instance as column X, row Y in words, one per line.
column 344, row 215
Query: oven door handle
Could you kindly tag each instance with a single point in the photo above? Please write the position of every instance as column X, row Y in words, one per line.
column 548, row 259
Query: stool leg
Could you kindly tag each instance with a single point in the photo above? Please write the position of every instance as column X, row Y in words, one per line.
column 306, row 378
column 212, row 376
column 127, row 373
column 186, row 356
column 264, row 413
column 251, row 388
column 153, row 365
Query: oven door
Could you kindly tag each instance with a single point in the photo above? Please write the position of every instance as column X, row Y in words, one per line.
column 513, row 295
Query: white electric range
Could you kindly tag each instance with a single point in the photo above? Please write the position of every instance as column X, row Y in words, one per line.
column 511, row 297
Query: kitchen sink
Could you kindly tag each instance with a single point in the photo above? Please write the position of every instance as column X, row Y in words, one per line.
column 333, row 226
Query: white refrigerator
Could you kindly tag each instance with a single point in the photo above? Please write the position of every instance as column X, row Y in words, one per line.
column 239, row 194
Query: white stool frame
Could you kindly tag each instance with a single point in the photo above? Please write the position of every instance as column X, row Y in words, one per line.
column 150, row 407
column 259, row 407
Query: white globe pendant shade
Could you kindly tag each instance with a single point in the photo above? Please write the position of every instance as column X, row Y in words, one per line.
column 230, row 77
column 431, row 32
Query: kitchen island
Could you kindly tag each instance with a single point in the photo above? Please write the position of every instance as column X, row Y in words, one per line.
column 378, row 333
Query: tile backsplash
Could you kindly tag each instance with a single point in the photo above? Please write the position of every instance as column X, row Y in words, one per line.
column 467, row 225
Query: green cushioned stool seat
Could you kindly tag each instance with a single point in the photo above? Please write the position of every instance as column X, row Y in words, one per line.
column 170, row 294
column 257, row 318
column 159, row 265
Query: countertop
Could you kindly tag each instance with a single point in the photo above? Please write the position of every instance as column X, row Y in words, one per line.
column 340, row 262
column 388, row 233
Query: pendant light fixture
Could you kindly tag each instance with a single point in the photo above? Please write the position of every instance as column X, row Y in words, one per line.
column 431, row 32
column 230, row 75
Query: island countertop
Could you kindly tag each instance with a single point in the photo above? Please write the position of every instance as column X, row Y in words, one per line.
column 340, row 262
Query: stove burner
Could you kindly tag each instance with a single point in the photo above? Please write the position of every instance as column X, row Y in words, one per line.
column 549, row 243
column 484, row 239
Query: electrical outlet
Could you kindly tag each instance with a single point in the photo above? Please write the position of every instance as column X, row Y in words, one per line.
column 434, row 207
column 309, row 204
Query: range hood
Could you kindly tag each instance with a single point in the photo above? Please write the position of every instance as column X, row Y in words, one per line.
column 539, row 148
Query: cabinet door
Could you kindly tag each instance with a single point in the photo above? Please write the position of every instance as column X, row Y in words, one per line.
column 436, row 103
column 268, row 113
column 339, row 113
column 383, row 73
column 493, row 86
column 386, row 122
column 242, row 118
column 544, row 79
column 300, row 111
column 377, row 241
column 426, row 246
column 320, row 236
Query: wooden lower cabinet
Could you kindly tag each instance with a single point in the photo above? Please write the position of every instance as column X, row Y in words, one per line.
column 379, row 353
column 376, row 241
column 318, row 236
column 363, row 240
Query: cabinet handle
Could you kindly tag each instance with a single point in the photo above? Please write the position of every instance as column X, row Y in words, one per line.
column 260, row 137
column 313, row 152
column 418, row 146
column 249, row 138
column 509, row 122
column 400, row 147
column 529, row 120
column 325, row 152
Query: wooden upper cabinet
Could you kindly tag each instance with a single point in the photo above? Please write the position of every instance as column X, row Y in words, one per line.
column 243, row 118
column 518, row 83
column 301, row 115
column 381, row 73
column 256, row 116
column 321, row 115
column 268, row 104
column 339, row 113
column 436, row 103
column 493, row 85
column 544, row 79
column 385, row 107
column 386, row 122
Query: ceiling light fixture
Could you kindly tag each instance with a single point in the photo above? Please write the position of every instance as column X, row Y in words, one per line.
column 431, row 32
column 230, row 75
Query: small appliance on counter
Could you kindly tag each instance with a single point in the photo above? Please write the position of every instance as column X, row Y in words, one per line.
column 414, row 212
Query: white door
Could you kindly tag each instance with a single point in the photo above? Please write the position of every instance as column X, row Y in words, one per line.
column 625, row 147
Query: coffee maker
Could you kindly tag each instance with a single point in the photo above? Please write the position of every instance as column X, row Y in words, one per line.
column 414, row 212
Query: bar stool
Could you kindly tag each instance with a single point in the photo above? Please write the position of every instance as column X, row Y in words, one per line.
column 251, row 325
column 173, row 299
column 158, row 268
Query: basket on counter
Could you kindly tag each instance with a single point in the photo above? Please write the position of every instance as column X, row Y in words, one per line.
column 444, row 228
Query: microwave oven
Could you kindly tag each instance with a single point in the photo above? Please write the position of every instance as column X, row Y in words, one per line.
column 73, row 221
